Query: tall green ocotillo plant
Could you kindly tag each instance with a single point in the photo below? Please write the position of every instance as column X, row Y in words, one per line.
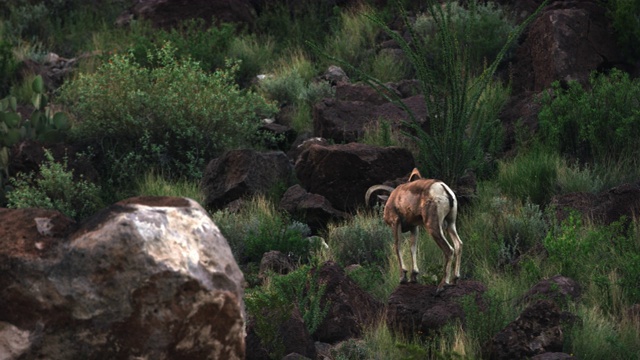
column 459, row 130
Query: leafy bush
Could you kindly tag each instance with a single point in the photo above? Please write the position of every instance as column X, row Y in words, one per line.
column 254, row 53
column 271, row 305
column 371, row 278
column 292, row 23
column 599, row 124
column 193, row 38
column 292, row 84
column 174, row 117
column 54, row 187
column 66, row 25
column 625, row 16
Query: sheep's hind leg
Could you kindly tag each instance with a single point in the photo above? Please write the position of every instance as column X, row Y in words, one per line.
column 396, row 246
column 414, row 251
column 457, row 251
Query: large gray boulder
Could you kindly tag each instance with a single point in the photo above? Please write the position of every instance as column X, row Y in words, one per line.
column 145, row 278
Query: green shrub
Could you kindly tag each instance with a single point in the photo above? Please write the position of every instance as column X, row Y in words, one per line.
column 601, row 124
column 8, row 66
column 54, row 187
column 365, row 239
column 498, row 229
column 599, row 335
column 193, row 38
column 481, row 28
column 603, row 256
column 173, row 118
column 389, row 67
column 64, row 25
column 372, row 279
column 625, row 18
column 271, row 305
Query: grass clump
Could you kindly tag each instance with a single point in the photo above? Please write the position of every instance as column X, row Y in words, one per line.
column 154, row 184
column 365, row 239
column 258, row 228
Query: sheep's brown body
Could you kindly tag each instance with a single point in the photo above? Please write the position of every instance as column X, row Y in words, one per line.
column 432, row 204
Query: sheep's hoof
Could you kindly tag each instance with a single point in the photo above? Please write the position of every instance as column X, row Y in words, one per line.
column 403, row 279
column 414, row 277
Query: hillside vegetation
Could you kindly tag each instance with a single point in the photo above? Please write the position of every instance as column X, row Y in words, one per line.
column 148, row 108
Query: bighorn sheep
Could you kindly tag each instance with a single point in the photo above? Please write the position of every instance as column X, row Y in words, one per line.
column 426, row 202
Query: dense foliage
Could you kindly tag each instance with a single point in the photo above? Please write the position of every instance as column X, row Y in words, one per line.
column 598, row 123
column 173, row 117
column 54, row 187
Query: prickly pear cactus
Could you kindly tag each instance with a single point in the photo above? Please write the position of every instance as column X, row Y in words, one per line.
column 44, row 125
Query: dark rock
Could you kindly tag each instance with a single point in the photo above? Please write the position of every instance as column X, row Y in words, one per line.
column 350, row 308
column 567, row 41
column 603, row 208
column 275, row 262
column 343, row 173
column 240, row 173
column 417, row 309
column 169, row 13
column 344, row 121
column 553, row 356
column 283, row 136
column 292, row 332
column 558, row 288
column 335, row 75
column 520, row 114
column 538, row 330
column 312, row 209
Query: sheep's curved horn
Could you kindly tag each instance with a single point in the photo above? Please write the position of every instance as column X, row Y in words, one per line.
column 374, row 188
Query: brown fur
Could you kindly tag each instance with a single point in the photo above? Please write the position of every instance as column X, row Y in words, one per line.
column 432, row 204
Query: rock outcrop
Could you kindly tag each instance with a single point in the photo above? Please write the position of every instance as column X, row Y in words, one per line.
column 343, row 173
column 246, row 172
column 144, row 278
